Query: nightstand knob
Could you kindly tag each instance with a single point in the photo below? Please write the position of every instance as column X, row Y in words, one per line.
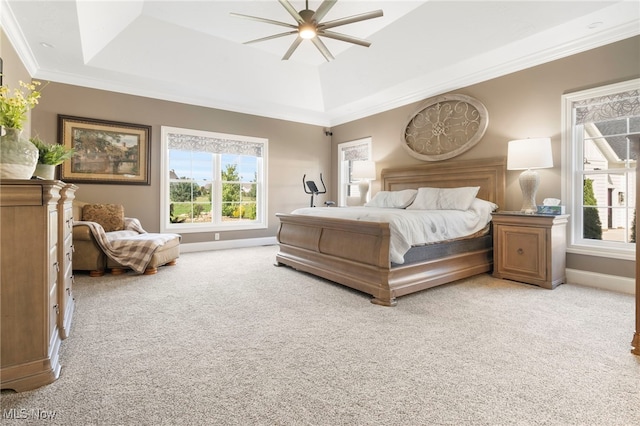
column 520, row 251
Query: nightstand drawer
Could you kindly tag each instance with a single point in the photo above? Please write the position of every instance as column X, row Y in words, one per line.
column 524, row 252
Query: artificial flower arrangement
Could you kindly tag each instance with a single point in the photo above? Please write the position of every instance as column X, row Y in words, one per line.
column 14, row 109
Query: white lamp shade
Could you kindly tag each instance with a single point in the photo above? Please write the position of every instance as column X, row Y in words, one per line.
column 364, row 170
column 534, row 153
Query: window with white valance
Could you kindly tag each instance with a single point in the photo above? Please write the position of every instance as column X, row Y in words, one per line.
column 348, row 152
column 212, row 181
column 601, row 143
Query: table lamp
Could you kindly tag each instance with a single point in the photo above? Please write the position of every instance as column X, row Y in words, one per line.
column 364, row 171
column 528, row 155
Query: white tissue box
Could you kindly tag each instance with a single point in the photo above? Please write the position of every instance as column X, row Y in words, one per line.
column 550, row 209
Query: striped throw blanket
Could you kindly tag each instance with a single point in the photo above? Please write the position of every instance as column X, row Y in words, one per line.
column 133, row 247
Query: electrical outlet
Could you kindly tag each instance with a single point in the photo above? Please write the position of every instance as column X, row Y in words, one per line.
column 216, row 236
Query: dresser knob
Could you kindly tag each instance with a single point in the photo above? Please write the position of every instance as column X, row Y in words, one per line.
column 520, row 251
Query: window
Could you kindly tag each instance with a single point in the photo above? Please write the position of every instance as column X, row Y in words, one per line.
column 212, row 181
column 600, row 147
column 348, row 152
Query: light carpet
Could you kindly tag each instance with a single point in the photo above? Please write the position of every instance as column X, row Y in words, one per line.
column 227, row 338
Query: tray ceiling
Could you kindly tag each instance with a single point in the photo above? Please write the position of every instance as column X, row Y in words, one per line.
column 193, row 51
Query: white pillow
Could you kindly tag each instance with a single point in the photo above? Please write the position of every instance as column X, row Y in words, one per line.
column 444, row 198
column 393, row 199
column 483, row 207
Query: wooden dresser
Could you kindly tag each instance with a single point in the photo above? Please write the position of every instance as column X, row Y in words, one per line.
column 530, row 248
column 33, row 280
column 65, row 258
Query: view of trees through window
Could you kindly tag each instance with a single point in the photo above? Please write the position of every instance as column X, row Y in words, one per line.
column 212, row 181
column 601, row 148
column 610, row 152
column 192, row 200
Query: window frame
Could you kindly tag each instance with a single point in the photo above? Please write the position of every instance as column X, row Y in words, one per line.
column 573, row 173
column 261, row 221
column 344, row 170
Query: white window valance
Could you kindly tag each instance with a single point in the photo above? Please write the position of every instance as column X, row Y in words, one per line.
column 610, row 107
column 214, row 145
column 356, row 152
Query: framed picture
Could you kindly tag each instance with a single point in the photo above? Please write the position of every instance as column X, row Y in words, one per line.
column 107, row 152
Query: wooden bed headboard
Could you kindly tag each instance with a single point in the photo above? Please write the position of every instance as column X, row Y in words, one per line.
column 489, row 174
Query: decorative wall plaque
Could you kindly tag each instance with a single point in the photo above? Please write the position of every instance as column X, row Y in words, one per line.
column 444, row 127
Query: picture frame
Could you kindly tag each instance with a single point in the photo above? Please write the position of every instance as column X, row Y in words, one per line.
column 107, row 152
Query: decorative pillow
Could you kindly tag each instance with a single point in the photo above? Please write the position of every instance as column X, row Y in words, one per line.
column 110, row 216
column 393, row 199
column 444, row 198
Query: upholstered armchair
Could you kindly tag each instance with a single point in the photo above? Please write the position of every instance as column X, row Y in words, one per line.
column 104, row 238
column 87, row 254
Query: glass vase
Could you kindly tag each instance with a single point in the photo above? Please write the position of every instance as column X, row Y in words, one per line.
column 18, row 156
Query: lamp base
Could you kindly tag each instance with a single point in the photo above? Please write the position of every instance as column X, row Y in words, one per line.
column 529, row 182
column 363, row 187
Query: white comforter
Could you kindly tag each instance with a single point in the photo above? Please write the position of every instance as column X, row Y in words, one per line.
column 413, row 227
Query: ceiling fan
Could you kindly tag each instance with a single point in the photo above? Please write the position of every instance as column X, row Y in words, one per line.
column 309, row 26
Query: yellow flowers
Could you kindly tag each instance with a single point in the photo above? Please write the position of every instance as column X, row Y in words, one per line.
column 14, row 109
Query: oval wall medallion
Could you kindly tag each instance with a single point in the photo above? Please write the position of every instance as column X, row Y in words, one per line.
column 444, row 127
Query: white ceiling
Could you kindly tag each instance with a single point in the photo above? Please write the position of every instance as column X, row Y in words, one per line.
column 193, row 51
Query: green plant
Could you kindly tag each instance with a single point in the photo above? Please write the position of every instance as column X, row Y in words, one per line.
column 591, row 220
column 245, row 211
column 52, row 154
column 14, row 109
column 184, row 191
column 173, row 218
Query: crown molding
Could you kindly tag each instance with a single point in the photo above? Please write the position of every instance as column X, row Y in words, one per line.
column 16, row 37
column 460, row 74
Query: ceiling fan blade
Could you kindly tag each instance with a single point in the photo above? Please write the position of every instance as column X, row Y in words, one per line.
column 343, row 37
column 350, row 19
column 267, row 21
column 322, row 10
column 292, row 11
column 323, row 49
column 293, row 47
column 271, row 37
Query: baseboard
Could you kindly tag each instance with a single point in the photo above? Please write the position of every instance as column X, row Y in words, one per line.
column 231, row 244
column 603, row 281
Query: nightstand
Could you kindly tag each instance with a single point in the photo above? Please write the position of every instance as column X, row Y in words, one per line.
column 530, row 248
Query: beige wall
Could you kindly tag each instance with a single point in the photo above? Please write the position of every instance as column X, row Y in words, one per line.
column 522, row 104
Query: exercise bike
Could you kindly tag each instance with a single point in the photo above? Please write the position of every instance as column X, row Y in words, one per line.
column 311, row 188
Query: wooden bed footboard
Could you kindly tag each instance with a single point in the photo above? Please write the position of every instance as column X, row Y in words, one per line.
column 357, row 255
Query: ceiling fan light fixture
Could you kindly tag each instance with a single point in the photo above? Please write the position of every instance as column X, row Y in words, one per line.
column 310, row 26
column 307, row 31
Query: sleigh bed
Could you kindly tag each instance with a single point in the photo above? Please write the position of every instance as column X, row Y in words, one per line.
column 357, row 254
